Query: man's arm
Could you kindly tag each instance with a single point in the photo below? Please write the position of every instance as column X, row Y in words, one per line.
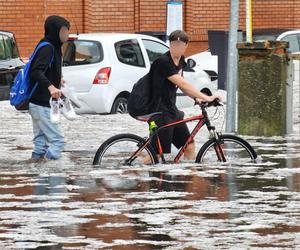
column 39, row 66
column 190, row 89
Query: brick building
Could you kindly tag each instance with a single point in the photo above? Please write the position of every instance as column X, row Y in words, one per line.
column 26, row 18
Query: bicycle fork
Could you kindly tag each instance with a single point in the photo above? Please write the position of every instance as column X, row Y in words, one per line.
column 218, row 146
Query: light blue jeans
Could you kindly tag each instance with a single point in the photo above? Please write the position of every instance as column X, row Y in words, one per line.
column 48, row 140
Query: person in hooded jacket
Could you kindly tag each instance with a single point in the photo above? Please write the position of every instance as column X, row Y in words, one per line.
column 48, row 140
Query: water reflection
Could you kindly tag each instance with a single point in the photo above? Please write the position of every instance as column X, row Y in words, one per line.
column 155, row 207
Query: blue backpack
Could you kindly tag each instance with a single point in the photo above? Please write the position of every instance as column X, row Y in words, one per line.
column 21, row 91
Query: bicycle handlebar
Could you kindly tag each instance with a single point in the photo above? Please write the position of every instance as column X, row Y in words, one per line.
column 214, row 103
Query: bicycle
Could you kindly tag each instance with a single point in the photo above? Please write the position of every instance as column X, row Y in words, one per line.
column 127, row 149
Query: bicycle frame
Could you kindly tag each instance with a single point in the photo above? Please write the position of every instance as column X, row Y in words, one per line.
column 203, row 120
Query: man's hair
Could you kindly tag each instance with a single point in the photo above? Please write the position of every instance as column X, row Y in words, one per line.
column 179, row 35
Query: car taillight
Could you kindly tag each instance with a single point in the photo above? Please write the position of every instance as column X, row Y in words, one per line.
column 72, row 39
column 102, row 76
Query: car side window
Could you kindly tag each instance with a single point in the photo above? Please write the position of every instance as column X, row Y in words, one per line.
column 2, row 49
column 154, row 49
column 9, row 47
column 6, row 48
column 15, row 51
column 129, row 52
column 80, row 52
column 293, row 42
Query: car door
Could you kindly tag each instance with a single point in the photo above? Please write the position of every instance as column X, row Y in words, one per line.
column 82, row 59
column 154, row 49
column 3, row 70
column 130, row 64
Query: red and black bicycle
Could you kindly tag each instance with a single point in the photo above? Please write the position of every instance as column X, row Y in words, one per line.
column 130, row 149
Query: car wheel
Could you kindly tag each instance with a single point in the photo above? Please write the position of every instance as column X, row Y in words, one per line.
column 120, row 106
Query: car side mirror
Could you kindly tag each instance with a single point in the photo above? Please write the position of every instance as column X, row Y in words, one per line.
column 190, row 64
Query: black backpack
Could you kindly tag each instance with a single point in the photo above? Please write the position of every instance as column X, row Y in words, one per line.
column 140, row 98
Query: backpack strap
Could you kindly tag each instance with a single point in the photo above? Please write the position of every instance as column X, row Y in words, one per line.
column 40, row 45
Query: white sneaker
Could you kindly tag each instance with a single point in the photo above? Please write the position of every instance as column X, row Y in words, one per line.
column 70, row 93
column 54, row 111
column 67, row 108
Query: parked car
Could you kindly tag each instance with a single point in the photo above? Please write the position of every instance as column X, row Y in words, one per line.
column 102, row 68
column 209, row 63
column 10, row 63
column 291, row 36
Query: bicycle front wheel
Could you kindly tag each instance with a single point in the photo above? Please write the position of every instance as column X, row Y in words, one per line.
column 229, row 149
column 117, row 150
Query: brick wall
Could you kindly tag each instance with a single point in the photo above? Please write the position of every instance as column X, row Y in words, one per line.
column 108, row 16
column 26, row 18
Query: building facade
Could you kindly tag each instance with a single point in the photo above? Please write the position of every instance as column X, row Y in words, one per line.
column 26, row 18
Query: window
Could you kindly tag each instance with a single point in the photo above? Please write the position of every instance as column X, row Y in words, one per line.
column 8, row 49
column 262, row 37
column 293, row 41
column 2, row 49
column 129, row 52
column 14, row 49
column 80, row 52
column 154, row 49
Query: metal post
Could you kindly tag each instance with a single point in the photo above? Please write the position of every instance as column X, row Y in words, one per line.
column 249, row 21
column 231, row 83
column 289, row 97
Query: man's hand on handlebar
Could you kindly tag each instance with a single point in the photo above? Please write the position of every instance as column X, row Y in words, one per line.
column 208, row 99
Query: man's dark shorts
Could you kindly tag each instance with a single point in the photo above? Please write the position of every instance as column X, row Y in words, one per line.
column 176, row 135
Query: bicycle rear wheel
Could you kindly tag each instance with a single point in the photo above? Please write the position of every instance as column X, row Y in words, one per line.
column 116, row 151
column 229, row 149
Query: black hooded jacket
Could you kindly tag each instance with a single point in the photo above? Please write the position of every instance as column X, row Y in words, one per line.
column 39, row 70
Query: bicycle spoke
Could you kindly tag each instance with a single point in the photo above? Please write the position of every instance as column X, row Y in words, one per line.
column 118, row 152
column 229, row 151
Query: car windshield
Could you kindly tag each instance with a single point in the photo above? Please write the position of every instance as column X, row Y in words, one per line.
column 8, row 48
column 81, row 52
column 264, row 37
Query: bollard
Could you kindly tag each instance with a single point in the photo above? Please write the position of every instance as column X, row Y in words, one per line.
column 262, row 101
column 289, row 96
column 295, row 91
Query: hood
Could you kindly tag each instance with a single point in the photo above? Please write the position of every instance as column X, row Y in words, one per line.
column 52, row 27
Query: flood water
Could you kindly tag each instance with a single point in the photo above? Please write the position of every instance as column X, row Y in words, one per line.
column 70, row 204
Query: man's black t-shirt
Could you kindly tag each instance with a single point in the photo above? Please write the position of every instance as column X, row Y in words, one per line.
column 164, row 91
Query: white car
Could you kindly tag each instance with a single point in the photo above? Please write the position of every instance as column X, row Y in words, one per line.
column 103, row 67
column 291, row 36
column 209, row 63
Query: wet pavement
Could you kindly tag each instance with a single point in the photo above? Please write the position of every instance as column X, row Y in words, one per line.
column 70, row 204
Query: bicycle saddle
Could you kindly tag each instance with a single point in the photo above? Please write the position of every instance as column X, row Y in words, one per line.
column 146, row 118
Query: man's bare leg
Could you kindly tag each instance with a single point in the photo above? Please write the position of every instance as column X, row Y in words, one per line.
column 147, row 159
column 189, row 153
